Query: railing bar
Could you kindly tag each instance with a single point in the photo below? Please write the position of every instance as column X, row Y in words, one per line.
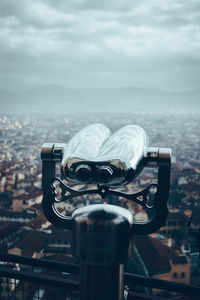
column 15, row 283
column 7, row 285
column 59, row 266
column 135, row 279
column 162, row 284
column 42, row 279
column 23, row 291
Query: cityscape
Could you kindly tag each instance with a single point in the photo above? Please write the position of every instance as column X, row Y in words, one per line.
column 66, row 65
column 173, row 251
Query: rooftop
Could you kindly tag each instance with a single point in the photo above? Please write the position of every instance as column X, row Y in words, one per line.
column 156, row 256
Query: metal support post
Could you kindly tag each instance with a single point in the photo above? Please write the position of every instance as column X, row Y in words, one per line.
column 102, row 241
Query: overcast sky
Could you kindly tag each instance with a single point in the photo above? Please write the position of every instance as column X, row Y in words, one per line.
column 100, row 43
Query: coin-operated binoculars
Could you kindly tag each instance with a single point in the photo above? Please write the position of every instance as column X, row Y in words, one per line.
column 102, row 234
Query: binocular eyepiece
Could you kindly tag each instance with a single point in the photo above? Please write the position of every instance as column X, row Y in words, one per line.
column 87, row 173
column 80, row 171
column 94, row 156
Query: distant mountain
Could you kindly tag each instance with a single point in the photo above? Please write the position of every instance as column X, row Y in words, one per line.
column 54, row 98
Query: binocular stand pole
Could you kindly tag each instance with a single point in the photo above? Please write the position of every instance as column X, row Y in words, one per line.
column 101, row 242
column 101, row 282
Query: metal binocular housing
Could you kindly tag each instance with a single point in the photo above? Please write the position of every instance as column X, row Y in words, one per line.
column 95, row 156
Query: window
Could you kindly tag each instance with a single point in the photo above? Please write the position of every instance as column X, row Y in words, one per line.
column 175, row 275
column 182, row 274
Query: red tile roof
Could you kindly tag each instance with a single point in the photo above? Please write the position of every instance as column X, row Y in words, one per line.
column 8, row 228
column 38, row 222
column 31, row 242
column 157, row 256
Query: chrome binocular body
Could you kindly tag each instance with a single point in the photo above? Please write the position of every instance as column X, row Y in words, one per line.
column 95, row 156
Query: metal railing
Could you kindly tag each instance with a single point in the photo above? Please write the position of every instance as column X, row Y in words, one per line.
column 23, row 278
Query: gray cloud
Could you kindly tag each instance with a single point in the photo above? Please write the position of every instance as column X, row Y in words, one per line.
column 100, row 43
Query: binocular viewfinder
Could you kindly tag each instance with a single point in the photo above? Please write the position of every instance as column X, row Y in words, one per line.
column 94, row 156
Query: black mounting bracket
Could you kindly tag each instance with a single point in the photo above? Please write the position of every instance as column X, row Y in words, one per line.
column 153, row 196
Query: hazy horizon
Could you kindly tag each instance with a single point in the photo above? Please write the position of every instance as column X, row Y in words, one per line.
column 55, row 98
column 48, row 85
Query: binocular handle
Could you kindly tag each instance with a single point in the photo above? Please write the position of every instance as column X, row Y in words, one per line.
column 160, row 157
column 50, row 155
column 161, row 197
